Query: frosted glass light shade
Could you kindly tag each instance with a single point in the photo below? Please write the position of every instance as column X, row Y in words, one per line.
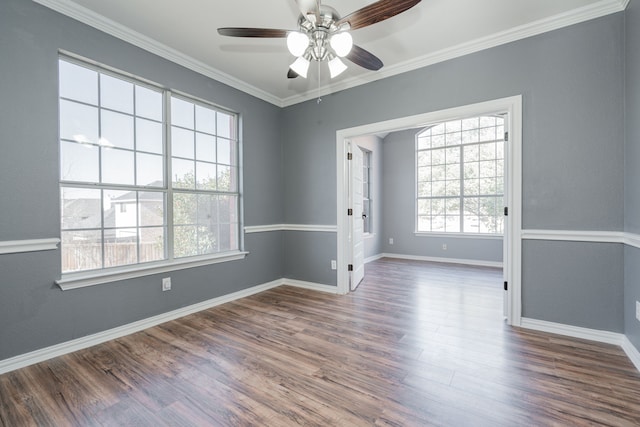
column 301, row 66
column 336, row 67
column 341, row 43
column 297, row 43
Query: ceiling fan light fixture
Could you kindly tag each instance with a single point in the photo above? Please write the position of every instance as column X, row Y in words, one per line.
column 336, row 67
column 297, row 43
column 301, row 66
column 341, row 43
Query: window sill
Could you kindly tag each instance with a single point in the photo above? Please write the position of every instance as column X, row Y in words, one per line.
column 368, row 235
column 82, row 280
column 460, row 235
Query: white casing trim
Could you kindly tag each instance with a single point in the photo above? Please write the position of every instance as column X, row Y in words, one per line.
column 513, row 196
column 47, row 353
column 458, row 235
column 291, row 227
column 83, row 280
column 33, row 245
column 86, row 16
column 475, row 262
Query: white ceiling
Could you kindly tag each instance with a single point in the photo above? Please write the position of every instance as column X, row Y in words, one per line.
column 434, row 30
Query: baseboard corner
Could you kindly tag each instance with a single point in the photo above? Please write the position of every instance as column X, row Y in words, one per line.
column 632, row 352
column 310, row 285
column 597, row 335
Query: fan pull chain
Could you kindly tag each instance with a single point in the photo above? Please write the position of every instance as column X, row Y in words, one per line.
column 319, row 98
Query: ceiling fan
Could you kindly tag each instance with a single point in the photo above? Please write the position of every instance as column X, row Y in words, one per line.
column 323, row 35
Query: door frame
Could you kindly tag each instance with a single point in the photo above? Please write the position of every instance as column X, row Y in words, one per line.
column 356, row 152
column 512, row 258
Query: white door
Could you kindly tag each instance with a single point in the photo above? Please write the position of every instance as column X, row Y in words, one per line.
column 356, row 219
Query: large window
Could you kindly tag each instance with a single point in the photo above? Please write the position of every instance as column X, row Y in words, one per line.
column 136, row 186
column 460, row 176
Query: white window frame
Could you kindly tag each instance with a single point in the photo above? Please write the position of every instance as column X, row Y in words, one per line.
column 367, row 154
column 461, row 197
column 72, row 280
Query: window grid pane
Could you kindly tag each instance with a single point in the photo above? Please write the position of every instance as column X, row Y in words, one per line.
column 205, row 209
column 112, row 173
column 460, row 176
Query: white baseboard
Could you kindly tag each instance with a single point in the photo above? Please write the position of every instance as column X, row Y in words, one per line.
column 41, row 355
column 588, row 334
column 573, row 331
column 373, row 258
column 310, row 285
column 632, row 352
column 475, row 262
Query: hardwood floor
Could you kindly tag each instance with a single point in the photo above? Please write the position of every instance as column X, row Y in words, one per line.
column 417, row 344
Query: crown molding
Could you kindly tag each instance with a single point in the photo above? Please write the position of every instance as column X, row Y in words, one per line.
column 95, row 20
column 586, row 13
column 86, row 16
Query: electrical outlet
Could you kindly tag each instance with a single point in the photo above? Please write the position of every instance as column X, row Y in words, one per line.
column 391, row 240
column 334, row 265
column 166, row 284
column 444, row 246
column 638, row 310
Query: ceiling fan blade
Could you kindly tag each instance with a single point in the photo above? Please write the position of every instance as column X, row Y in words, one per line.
column 309, row 7
column 291, row 74
column 376, row 12
column 252, row 32
column 364, row 58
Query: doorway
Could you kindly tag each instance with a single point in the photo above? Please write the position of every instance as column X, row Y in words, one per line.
column 512, row 107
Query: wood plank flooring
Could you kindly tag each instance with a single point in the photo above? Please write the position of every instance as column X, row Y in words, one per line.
column 418, row 344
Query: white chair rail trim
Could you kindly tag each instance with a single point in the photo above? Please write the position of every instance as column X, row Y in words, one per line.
column 33, row 245
column 290, row 227
column 629, row 239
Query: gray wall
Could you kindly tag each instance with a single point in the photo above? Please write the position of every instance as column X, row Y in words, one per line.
column 34, row 313
column 571, row 81
column 632, row 169
column 577, row 281
column 373, row 240
column 399, row 210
